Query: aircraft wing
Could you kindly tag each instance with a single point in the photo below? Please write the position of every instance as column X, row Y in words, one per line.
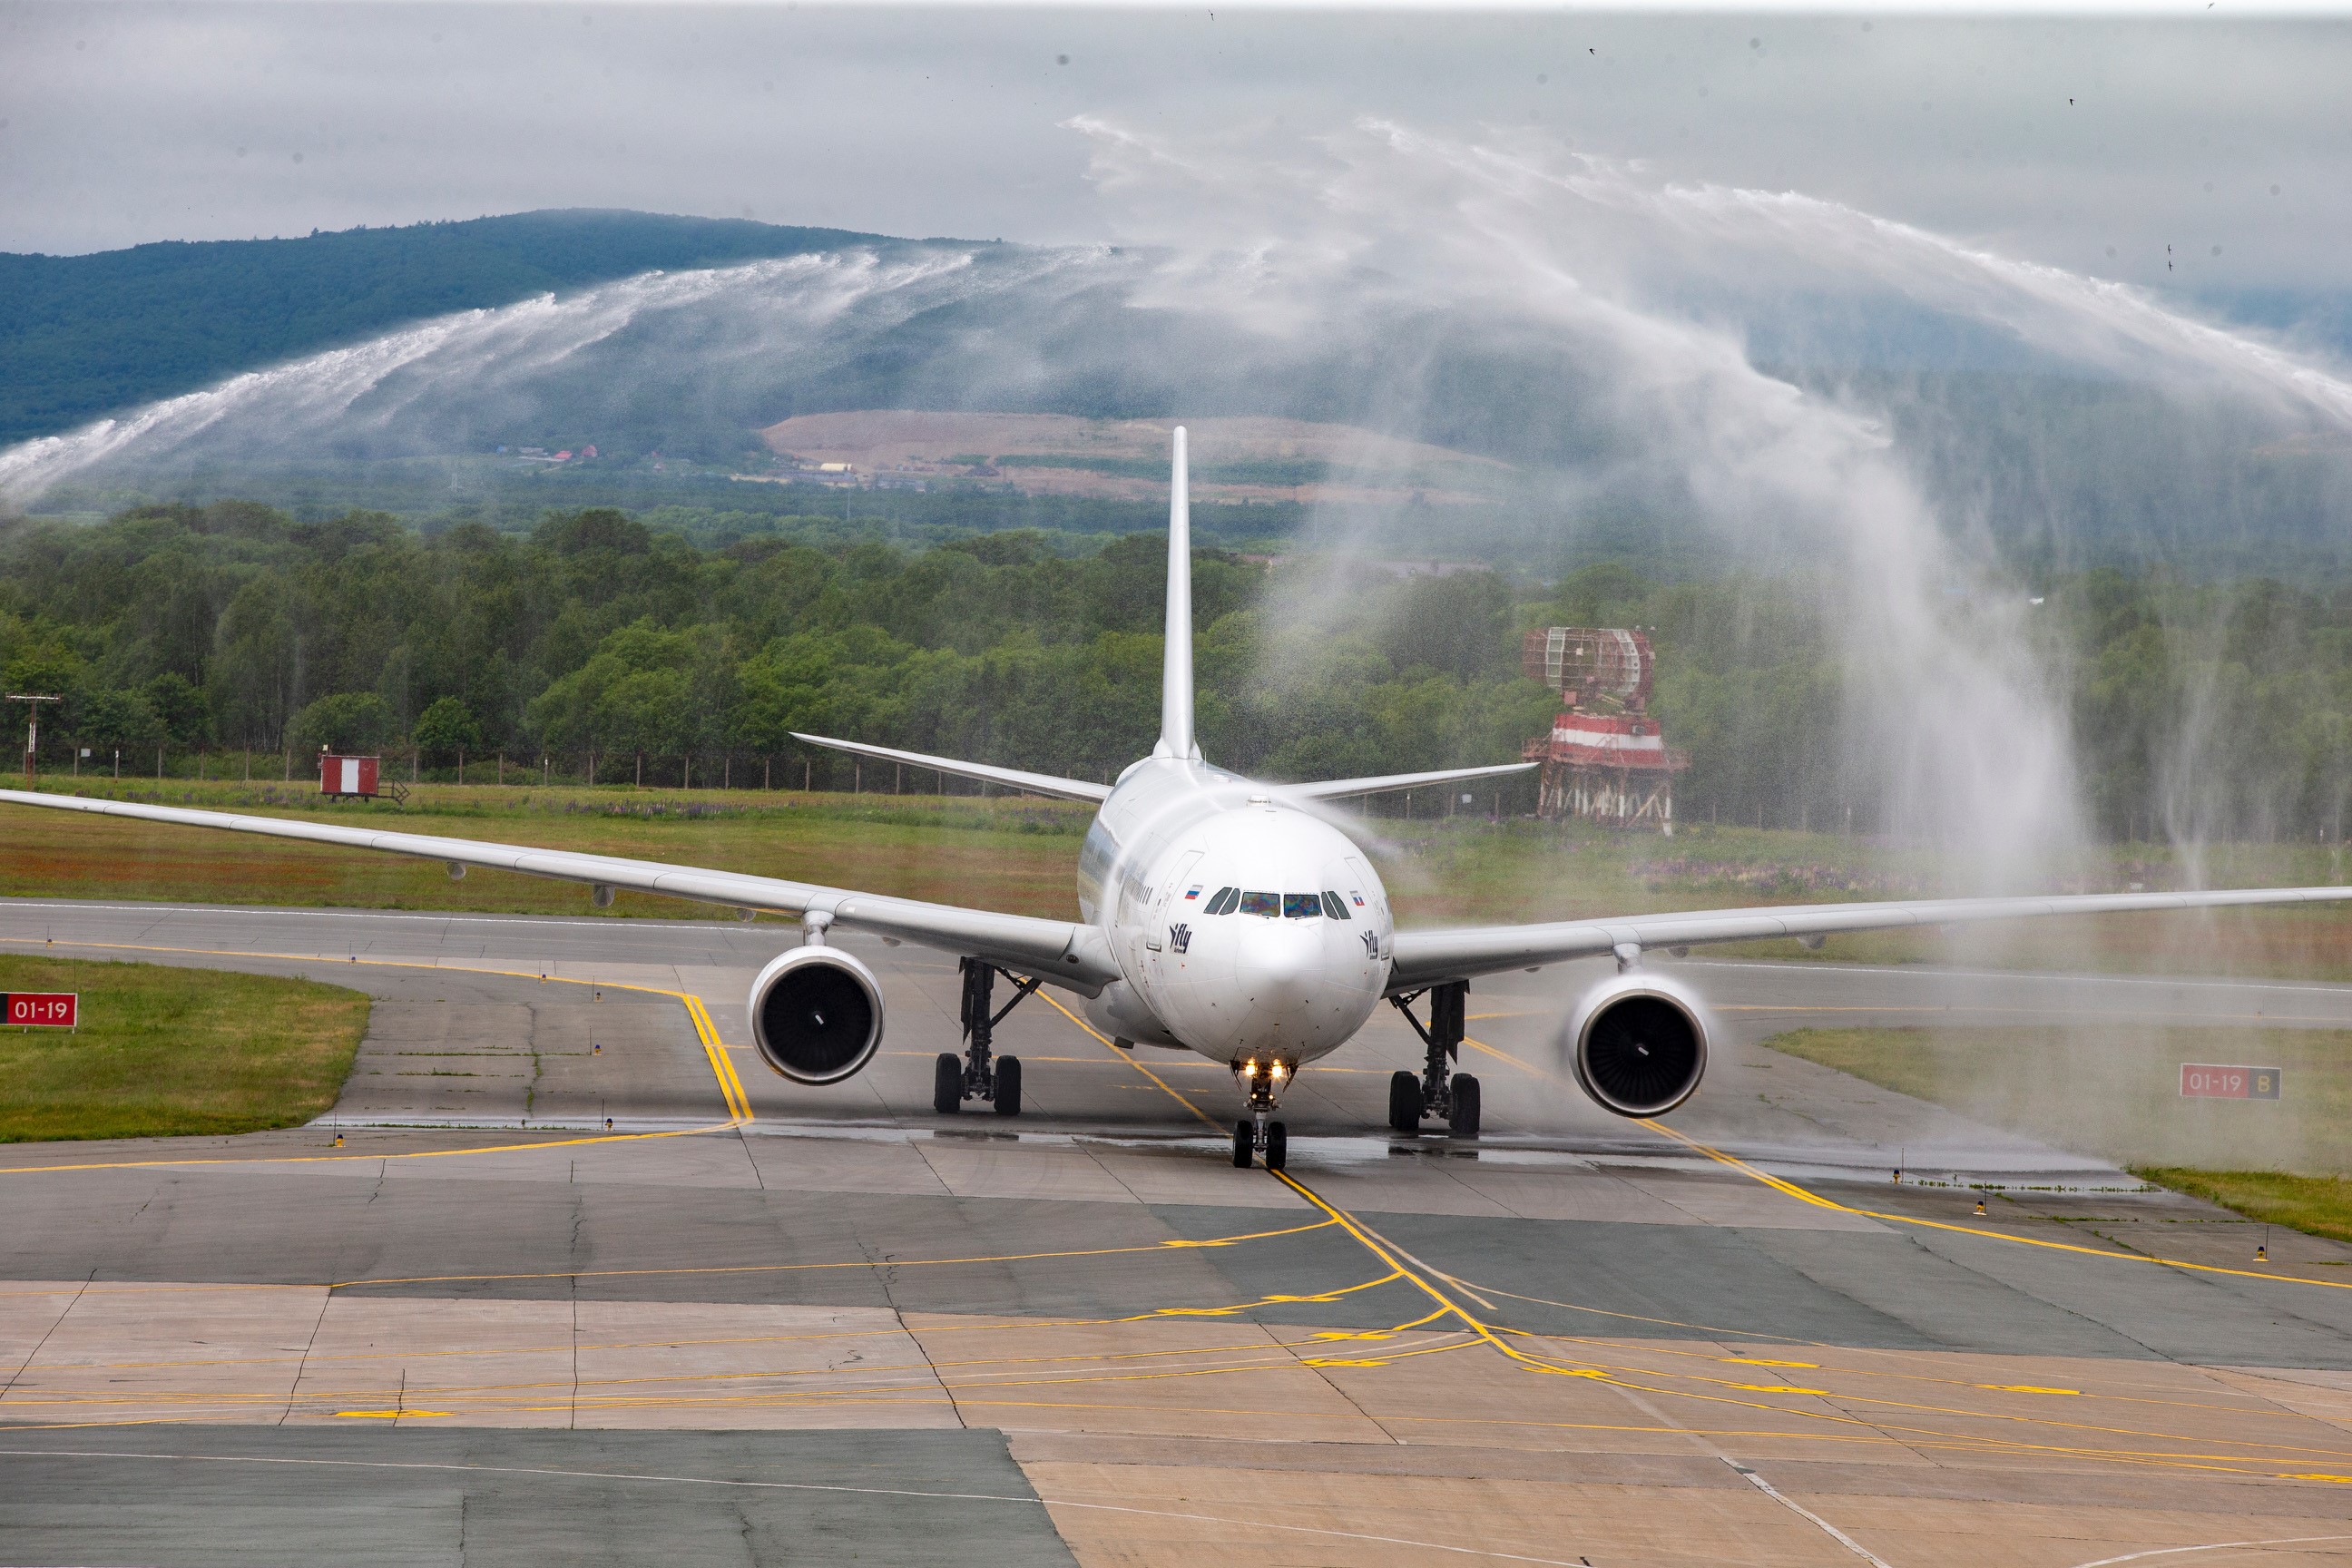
column 1388, row 784
column 1422, row 958
column 1065, row 951
column 1011, row 778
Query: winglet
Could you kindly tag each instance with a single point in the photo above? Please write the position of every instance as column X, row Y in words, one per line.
column 1176, row 739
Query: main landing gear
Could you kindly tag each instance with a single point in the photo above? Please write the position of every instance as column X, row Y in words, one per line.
column 1262, row 1081
column 1439, row 1092
column 978, row 1074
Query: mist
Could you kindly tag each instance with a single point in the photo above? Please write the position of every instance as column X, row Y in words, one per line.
column 1765, row 377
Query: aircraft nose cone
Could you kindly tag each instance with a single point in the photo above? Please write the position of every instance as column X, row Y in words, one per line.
column 1281, row 972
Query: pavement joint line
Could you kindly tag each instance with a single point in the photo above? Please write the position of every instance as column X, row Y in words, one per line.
column 1832, row 1530
column 1037, row 1501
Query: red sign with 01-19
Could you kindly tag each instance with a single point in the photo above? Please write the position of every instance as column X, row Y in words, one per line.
column 2200, row 1080
column 43, row 1009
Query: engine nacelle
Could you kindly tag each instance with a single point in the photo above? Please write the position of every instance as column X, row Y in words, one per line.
column 816, row 1014
column 1638, row 1044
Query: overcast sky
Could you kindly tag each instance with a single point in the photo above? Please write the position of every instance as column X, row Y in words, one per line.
column 2050, row 140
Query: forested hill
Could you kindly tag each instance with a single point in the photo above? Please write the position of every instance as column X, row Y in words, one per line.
column 81, row 336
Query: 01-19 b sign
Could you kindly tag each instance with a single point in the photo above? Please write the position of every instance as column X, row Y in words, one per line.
column 42, row 1009
column 2200, row 1081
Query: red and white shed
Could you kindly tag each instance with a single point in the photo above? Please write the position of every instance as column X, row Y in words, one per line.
column 348, row 775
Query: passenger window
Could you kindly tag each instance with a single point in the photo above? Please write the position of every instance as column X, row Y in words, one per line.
column 1267, row 904
column 1333, row 907
column 1302, row 906
column 1223, row 904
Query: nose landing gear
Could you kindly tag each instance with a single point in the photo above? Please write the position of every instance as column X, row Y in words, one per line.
column 978, row 1074
column 1262, row 1081
column 1439, row 1091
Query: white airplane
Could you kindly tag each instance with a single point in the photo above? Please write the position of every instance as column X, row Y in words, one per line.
column 1217, row 914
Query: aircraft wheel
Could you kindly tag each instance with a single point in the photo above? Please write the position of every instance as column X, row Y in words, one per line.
column 1465, row 1106
column 947, row 1084
column 1008, row 1086
column 1404, row 1102
column 1277, row 1145
column 1242, row 1146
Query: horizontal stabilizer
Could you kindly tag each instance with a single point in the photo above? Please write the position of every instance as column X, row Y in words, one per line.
column 1388, row 784
column 1011, row 778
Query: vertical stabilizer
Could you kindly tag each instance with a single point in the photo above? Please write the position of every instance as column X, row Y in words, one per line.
column 1176, row 670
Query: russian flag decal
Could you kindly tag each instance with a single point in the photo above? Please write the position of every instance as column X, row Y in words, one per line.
column 1357, row 897
column 1192, row 893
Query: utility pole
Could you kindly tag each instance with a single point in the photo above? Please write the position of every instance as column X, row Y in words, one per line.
column 32, row 725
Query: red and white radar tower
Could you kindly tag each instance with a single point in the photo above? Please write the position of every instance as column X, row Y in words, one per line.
column 1605, row 759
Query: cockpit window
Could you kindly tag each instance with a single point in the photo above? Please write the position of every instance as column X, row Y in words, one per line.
column 1267, row 904
column 1333, row 907
column 1302, row 906
column 1224, row 901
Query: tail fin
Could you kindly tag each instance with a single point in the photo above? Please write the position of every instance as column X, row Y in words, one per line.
column 1176, row 738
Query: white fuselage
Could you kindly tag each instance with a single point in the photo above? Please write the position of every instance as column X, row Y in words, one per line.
column 1243, row 928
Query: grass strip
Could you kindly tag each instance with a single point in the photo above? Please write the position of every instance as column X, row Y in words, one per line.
column 2318, row 1205
column 171, row 1052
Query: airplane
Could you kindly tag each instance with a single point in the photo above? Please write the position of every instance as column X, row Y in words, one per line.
column 1219, row 914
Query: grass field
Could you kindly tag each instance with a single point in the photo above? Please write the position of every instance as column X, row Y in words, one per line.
column 164, row 1052
column 1020, row 856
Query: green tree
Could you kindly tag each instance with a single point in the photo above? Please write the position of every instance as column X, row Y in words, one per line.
column 181, row 708
column 107, row 720
column 448, row 728
column 346, row 723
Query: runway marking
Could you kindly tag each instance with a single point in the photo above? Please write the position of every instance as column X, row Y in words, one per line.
column 730, row 1087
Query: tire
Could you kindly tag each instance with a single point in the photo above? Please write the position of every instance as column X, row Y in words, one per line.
column 947, row 1084
column 1277, row 1145
column 1404, row 1103
column 1008, row 1086
column 1465, row 1106
column 1242, row 1146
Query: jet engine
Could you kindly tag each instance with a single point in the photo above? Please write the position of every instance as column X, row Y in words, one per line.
column 816, row 1014
column 1638, row 1043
